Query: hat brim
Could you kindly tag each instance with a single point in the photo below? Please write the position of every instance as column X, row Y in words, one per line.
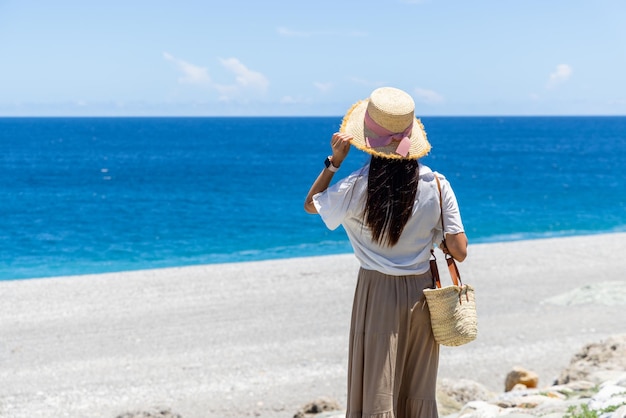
column 353, row 123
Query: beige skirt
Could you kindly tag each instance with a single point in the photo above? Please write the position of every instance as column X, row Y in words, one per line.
column 393, row 356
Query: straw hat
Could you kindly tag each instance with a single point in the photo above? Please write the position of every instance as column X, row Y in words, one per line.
column 385, row 125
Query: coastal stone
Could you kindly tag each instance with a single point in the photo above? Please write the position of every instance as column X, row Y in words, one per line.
column 505, row 403
column 520, row 376
column 532, row 401
column 619, row 413
column 479, row 409
column 576, row 398
column 453, row 394
column 554, row 395
column 610, row 396
column 317, row 407
column 447, row 405
column 575, row 386
column 597, row 362
column 558, row 409
column 550, row 403
column 151, row 413
column 553, row 415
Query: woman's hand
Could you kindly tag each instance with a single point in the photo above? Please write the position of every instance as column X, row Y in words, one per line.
column 340, row 145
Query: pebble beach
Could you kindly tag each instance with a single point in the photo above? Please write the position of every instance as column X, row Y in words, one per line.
column 264, row 338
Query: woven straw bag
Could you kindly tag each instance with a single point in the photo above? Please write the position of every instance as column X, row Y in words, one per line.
column 452, row 308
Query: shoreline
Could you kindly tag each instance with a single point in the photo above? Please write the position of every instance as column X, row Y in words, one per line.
column 493, row 240
column 266, row 337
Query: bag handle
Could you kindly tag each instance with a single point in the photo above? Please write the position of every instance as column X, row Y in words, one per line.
column 454, row 270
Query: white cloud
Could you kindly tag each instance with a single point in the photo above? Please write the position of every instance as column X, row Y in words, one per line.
column 561, row 74
column 428, row 96
column 323, row 87
column 244, row 77
column 192, row 74
column 246, row 80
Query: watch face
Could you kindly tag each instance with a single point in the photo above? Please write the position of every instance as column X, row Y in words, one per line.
column 327, row 162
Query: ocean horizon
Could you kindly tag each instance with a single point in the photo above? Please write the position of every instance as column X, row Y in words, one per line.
column 92, row 195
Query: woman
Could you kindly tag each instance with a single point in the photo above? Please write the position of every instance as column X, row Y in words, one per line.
column 390, row 211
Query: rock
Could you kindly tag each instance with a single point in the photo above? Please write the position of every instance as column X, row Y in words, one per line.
column 476, row 409
column 151, row 413
column 578, row 398
column 317, row 407
column 453, row 394
column 575, row 386
column 520, row 376
column 531, row 401
column 620, row 412
column 609, row 396
column 522, row 399
column 597, row 362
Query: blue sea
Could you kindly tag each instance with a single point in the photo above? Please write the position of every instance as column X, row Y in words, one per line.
column 92, row 195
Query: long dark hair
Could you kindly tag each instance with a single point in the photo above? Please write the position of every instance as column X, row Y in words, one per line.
column 391, row 189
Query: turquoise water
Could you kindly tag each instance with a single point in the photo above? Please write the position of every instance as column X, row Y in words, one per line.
column 91, row 195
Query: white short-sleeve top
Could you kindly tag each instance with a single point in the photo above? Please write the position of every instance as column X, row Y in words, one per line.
column 343, row 203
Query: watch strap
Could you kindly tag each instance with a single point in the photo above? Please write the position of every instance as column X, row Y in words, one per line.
column 329, row 165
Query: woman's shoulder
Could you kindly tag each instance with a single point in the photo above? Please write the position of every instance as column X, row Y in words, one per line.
column 428, row 176
column 427, row 173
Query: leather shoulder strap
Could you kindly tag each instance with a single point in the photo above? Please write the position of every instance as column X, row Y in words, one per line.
column 454, row 270
column 440, row 206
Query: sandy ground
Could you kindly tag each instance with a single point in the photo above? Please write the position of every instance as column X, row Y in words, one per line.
column 264, row 338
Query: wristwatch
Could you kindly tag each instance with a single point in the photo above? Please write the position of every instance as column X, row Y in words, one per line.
column 329, row 164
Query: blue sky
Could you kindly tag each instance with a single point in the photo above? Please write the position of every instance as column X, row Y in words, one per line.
column 235, row 57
